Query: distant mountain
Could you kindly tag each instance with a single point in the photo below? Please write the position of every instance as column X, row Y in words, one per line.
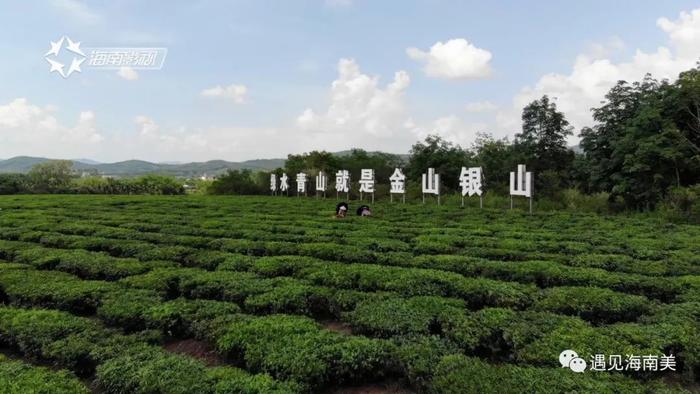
column 85, row 161
column 22, row 164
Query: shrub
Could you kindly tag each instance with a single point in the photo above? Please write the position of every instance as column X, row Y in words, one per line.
column 52, row 290
column 284, row 265
column 126, row 307
column 236, row 262
column 209, row 259
column 19, row 378
column 534, row 338
column 180, row 317
column 463, row 375
column 548, row 274
column 593, row 304
column 289, row 296
column 396, row 316
column 166, row 281
column 235, row 381
column 334, row 252
column 223, row 285
column 420, row 355
column 153, row 371
column 295, row 348
column 682, row 203
column 347, row 300
column 417, row 282
column 31, row 331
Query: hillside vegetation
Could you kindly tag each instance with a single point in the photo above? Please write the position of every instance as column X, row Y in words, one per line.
column 284, row 298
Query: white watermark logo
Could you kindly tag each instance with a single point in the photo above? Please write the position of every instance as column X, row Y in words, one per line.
column 616, row 362
column 570, row 359
column 74, row 59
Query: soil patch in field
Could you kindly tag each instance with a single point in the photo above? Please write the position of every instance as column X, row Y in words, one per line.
column 197, row 349
column 12, row 354
column 336, row 326
column 389, row 387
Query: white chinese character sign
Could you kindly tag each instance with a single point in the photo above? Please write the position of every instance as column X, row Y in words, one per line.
column 342, row 182
column 367, row 182
column 284, row 183
column 470, row 182
column 398, row 184
column 321, row 182
column 301, row 183
column 273, row 184
column 521, row 184
column 431, row 184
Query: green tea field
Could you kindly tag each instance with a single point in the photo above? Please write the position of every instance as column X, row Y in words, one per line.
column 218, row 294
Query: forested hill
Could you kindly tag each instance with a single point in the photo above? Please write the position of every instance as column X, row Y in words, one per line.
column 22, row 164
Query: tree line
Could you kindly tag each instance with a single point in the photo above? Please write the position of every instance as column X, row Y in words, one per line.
column 57, row 176
column 642, row 149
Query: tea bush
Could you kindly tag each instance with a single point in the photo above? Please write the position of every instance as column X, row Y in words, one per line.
column 459, row 374
column 269, row 294
column 19, row 378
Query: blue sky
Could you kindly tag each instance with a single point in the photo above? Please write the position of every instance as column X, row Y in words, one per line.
column 255, row 79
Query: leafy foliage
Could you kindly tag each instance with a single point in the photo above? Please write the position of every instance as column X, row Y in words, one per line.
column 438, row 300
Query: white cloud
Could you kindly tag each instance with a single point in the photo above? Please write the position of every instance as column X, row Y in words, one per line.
column 128, row 73
column 592, row 74
column 182, row 143
column 234, row 92
column 360, row 110
column 684, row 33
column 358, row 103
column 28, row 129
column 451, row 128
column 362, row 113
column 480, row 106
column 599, row 50
column 77, row 10
column 455, row 59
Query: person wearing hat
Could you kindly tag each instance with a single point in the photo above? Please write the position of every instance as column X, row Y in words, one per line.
column 364, row 210
column 341, row 210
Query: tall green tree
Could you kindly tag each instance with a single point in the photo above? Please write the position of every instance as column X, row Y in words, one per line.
column 687, row 109
column 446, row 158
column 383, row 164
column 13, row 183
column 542, row 144
column 295, row 164
column 599, row 142
column 497, row 160
column 641, row 144
column 51, row 177
column 237, row 182
column 311, row 162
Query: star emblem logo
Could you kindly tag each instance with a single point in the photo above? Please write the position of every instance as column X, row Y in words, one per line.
column 52, row 57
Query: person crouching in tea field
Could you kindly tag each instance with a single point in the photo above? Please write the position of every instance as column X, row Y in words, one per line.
column 341, row 210
column 364, row 210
